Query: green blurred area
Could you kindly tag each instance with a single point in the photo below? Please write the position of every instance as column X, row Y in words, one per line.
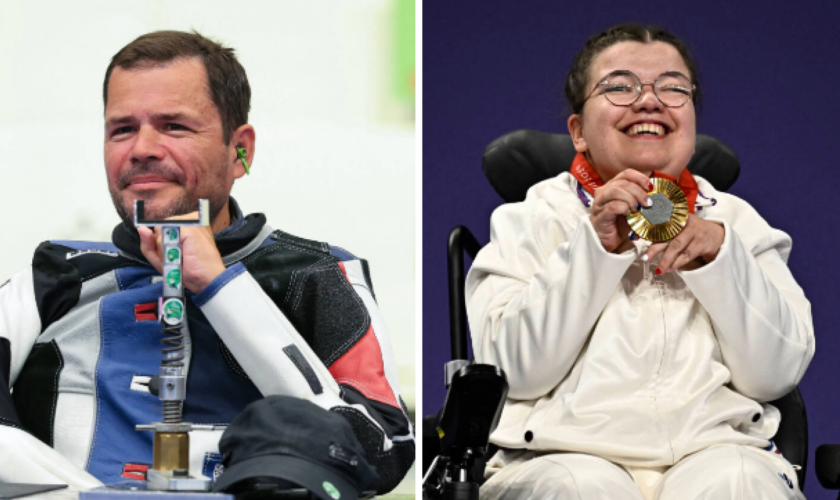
column 402, row 79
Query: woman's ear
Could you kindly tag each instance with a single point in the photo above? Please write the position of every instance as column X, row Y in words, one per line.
column 575, row 125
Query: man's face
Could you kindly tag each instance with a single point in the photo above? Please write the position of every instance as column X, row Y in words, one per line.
column 606, row 128
column 163, row 141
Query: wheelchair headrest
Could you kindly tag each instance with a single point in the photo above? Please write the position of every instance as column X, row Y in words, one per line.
column 517, row 160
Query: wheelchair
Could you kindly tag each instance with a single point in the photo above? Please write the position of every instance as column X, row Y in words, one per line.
column 456, row 440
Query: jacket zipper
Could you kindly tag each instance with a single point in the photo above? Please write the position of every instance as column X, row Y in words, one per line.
column 660, row 287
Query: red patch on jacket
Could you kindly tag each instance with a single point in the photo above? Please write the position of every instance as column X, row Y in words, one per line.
column 145, row 312
column 361, row 368
column 135, row 471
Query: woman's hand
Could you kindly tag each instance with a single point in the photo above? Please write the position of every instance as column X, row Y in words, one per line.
column 623, row 194
column 700, row 240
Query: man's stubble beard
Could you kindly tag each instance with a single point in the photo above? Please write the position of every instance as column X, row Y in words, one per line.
column 180, row 205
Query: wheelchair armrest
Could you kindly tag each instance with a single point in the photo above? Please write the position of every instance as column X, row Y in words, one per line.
column 473, row 407
column 431, row 441
column 828, row 466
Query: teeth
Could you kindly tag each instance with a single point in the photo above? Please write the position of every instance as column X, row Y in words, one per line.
column 646, row 128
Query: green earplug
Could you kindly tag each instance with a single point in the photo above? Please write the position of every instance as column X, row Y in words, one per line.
column 241, row 153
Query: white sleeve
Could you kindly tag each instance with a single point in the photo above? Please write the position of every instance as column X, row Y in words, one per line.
column 264, row 341
column 261, row 339
column 760, row 314
column 20, row 323
column 535, row 292
column 24, row 458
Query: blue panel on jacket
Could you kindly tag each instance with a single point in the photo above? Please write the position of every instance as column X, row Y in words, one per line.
column 128, row 348
column 215, row 392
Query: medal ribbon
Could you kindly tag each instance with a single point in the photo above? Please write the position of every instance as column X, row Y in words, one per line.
column 582, row 170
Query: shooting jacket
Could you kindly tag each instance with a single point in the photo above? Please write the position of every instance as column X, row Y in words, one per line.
column 79, row 341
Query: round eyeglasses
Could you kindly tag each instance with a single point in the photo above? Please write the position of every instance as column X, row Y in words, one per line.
column 623, row 88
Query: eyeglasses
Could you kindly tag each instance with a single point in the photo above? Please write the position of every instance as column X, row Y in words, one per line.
column 623, row 88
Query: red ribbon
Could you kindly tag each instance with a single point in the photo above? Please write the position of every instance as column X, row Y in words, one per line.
column 582, row 170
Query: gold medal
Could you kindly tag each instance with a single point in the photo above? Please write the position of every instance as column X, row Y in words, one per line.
column 665, row 218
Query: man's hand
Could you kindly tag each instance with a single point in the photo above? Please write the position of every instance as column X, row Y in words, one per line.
column 699, row 241
column 613, row 201
column 201, row 261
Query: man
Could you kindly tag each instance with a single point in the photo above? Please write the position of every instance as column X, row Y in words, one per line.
column 268, row 312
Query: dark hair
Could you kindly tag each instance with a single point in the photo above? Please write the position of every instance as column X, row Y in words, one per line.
column 226, row 78
column 576, row 81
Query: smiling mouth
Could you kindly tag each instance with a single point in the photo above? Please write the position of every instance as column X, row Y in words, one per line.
column 148, row 182
column 646, row 129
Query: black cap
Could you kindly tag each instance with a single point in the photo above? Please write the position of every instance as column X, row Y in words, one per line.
column 294, row 440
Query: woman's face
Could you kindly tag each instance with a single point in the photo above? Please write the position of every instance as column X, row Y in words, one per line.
column 603, row 131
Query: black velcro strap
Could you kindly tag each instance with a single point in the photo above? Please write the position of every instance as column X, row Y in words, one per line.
column 366, row 272
column 391, row 419
column 36, row 390
column 393, row 464
column 8, row 415
column 305, row 368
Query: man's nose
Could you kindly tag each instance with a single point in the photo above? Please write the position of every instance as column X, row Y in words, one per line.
column 147, row 145
column 647, row 100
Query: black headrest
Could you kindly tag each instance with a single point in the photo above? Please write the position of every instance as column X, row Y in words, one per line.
column 516, row 161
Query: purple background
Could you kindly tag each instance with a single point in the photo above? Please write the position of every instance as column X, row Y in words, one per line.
column 770, row 78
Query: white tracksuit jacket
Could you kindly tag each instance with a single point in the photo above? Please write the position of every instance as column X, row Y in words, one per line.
column 605, row 357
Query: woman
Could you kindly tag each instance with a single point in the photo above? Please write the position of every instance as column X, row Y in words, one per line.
column 636, row 371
